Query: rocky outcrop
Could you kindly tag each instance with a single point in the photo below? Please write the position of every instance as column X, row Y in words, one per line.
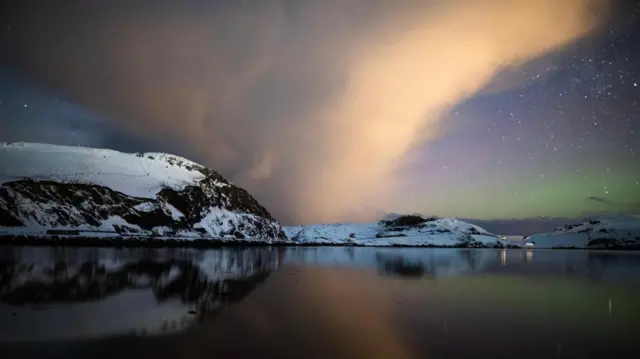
column 204, row 206
column 84, row 206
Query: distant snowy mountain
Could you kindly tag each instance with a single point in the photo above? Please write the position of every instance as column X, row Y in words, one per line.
column 599, row 232
column 406, row 230
column 50, row 190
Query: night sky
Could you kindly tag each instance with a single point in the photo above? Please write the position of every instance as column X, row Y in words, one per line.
column 298, row 103
column 563, row 144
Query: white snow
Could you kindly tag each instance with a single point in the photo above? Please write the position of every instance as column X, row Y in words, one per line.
column 175, row 213
column 443, row 232
column 140, row 175
column 340, row 231
column 220, row 223
column 621, row 230
column 145, row 207
column 135, row 175
column 108, row 224
column 219, row 220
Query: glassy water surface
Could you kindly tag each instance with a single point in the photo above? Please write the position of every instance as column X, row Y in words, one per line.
column 318, row 302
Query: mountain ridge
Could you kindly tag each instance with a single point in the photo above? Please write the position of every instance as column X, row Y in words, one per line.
column 104, row 193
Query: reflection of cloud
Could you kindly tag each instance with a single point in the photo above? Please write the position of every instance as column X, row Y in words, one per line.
column 361, row 326
column 311, row 105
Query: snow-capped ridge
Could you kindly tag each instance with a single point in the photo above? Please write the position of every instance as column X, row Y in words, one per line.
column 50, row 187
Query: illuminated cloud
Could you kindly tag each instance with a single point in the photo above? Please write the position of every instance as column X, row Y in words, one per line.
column 310, row 105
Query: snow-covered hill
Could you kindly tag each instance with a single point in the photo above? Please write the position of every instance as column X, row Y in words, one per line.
column 60, row 190
column 596, row 233
column 409, row 230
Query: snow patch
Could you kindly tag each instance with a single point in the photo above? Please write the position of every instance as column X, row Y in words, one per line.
column 145, row 207
column 137, row 175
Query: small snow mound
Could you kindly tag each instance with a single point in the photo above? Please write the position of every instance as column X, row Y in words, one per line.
column 404, row 230
column 619, row 231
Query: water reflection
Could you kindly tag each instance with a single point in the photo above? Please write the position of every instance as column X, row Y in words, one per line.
column 54, row 294
column 529, row 256
column 318, row 302
column 398, row 265
column 603, row 266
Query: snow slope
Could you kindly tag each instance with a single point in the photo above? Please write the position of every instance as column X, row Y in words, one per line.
column 141, row 175
column 601, row 232
column 106, row 193
column 418, row 231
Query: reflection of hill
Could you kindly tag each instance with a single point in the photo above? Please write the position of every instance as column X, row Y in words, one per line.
column 440, row 262
column 145, row 295
column 452, row 262
column 400, row 266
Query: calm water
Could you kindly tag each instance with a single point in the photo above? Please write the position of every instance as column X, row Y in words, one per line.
column 332, row 302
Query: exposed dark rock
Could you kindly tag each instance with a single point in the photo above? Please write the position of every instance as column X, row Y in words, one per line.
column 82, row 205
column 389, row 235
column 407, row 221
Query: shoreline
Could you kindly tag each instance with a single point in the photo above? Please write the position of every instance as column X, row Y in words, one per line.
column 149, row 242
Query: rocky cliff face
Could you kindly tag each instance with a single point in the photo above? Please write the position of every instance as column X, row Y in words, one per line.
column 201, row 204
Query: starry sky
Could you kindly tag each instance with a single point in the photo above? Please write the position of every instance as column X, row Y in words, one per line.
column 566, row 143
column 331, row 111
